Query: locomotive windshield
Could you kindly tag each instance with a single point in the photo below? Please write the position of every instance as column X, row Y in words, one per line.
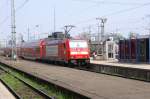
column 78, row 44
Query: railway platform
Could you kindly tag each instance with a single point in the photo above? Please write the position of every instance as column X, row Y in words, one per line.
column 136, row 71
column 123, row 64
column 4, row 93
column 93, row 85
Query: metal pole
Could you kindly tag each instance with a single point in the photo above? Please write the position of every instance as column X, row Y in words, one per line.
column 89, row 34
column 101, row 35
column 13, row 26
column 102, row 31
column 103, row 21
column 54, row 20
column 28, row 33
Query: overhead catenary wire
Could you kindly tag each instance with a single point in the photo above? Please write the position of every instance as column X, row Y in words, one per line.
column 127, row 10
column 109, row 2
column 22, row 5
column 103, row 2
column 17, row 9
column 114, row 13
column 90, row 19
column 92, row 6
column 4, row 21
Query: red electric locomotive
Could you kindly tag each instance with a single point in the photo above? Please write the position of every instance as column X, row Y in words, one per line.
column 59, row 50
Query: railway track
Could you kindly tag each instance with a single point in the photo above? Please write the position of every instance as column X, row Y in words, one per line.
column 88, row 82
column 25, row 91
column 58, row 93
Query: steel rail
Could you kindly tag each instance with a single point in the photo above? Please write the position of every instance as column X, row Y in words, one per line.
column 29, row 85
column 17, row 96
column 66, row 90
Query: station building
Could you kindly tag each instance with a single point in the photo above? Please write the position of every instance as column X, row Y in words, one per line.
column 106, row 50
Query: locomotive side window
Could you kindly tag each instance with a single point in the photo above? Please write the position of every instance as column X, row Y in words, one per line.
column 52, row 50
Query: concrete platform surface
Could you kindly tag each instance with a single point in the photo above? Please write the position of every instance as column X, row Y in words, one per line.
column 94, row 85
column 4, row 93
column 119, row 64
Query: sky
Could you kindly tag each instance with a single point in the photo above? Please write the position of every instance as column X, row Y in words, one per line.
column 123, row 16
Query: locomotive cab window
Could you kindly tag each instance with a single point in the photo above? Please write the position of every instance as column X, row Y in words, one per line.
column 78, row 44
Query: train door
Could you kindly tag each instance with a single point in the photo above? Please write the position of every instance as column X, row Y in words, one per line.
column 62, row 51
column 42, row 50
